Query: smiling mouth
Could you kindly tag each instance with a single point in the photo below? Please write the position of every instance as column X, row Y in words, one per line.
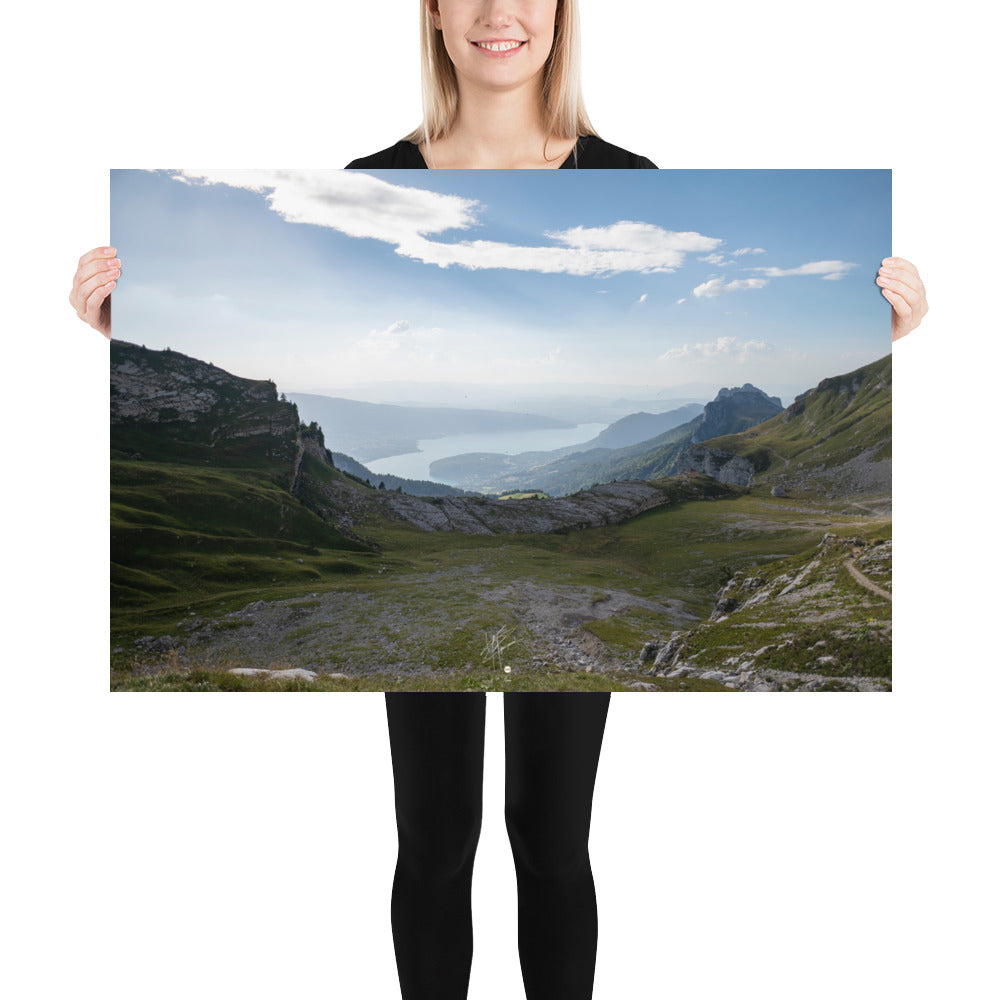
column 499, row 46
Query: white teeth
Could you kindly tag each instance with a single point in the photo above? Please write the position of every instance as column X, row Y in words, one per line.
column 498, row 46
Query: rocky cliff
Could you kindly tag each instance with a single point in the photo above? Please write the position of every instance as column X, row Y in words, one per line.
column 176, row 403
column 734, row 410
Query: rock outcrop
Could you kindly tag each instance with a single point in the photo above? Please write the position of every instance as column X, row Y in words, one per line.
column 604, row 504
column 193, row 403
column 793, row 626
column 734, row 410
column 720, row 465
column 610, row 503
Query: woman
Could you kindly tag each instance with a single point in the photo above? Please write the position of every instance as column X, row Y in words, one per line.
column 501, row 89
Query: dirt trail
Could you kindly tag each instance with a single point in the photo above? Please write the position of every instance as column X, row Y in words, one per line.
column 864, row 581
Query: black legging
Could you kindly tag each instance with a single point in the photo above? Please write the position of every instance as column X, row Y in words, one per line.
column 553, row 742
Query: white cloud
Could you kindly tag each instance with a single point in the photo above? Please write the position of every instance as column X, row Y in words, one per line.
column 351, row 202
column 830, row 270
column 722, row 348
column 745, row 250
column 718, row 286
column 366, row 207
column 642, row 298
column 679, row 301
column 624, row 246
column 714, row 258
column 636, row 237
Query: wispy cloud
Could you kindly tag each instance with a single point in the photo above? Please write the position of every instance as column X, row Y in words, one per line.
column 384, row 341
column 722, row 348
column 362, row 206
column 724, row 258
column 641, row 299
column 829, row 270
column 719, row 286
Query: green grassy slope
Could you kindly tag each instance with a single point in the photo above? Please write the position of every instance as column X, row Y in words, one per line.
column 200, row 478
column 845, row 418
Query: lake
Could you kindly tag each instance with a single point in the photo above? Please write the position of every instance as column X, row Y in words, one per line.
column 415, row 465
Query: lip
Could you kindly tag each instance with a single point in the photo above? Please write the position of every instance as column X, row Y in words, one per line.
column 476, row 43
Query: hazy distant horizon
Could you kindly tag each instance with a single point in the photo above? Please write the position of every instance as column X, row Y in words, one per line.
column 472, row 393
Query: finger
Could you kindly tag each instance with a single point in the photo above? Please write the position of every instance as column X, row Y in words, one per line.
column 89, row 276
column 87, row 279
column 900, row 306
column 900, row 262
column 100, row 265
column 95, row 281
column 915, row 298
column 92, row 306
column 904, row 271
column 901, row 287
column 96, row 254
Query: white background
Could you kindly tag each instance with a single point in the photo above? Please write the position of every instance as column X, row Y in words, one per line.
column 222, row 846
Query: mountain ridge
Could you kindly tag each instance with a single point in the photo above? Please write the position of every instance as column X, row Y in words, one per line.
column 833, row 440
column 731, row 410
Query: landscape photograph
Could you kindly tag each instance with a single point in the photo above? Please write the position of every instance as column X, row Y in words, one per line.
column 482, row 430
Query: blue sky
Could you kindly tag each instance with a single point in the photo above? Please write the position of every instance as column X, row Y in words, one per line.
column 652, row 279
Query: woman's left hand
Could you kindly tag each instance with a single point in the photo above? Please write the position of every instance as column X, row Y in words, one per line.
column 902, row 286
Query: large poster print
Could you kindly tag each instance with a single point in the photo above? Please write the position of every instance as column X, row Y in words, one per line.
column 501, row 430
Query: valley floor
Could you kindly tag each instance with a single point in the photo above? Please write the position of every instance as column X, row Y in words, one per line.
column 751, row 593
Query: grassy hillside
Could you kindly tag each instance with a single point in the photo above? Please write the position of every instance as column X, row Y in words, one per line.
column 837, row 438
column 180, row 533
column 202, row 465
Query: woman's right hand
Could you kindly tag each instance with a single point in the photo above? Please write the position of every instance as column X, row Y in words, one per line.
column 96, row 275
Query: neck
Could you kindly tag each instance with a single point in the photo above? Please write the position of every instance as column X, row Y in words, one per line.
column 498, row 129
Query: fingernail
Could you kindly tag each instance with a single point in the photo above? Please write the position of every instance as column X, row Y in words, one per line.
column 107, row 250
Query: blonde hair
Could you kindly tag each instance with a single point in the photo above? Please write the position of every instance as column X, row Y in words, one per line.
column 565, row 115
